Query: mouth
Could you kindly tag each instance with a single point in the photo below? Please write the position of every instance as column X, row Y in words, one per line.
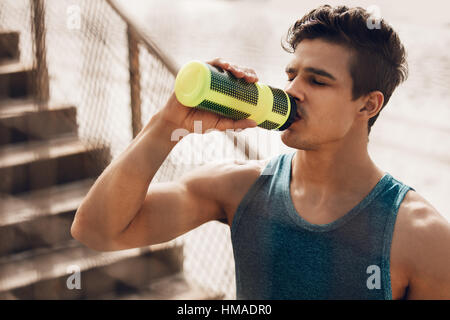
column 298, row 117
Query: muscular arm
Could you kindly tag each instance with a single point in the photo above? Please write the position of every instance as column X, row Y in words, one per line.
column 117, row 195
column 171, row 209
column 123, row 210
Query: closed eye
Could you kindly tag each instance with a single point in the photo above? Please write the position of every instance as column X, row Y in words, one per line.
column 312, row 81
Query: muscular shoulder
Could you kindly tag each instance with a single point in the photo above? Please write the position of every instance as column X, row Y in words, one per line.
column 417, row 215
column 224, row 181
column 422, row 242
column 232, row 171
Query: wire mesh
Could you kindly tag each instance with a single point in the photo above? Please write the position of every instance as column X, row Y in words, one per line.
column 87, row 58
column 88, row 64
column 15, row 16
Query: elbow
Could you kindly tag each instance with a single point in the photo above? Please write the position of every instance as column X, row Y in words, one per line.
column 75, row 232
column 90, row 238
column 79, row 233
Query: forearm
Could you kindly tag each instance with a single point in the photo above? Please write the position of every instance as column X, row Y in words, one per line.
column 118, row 194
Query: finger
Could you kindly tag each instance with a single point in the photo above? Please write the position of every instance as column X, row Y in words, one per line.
column 251, row 78
column 219, row 62
column 239, row 72
column 248, row 74
column 244, row 123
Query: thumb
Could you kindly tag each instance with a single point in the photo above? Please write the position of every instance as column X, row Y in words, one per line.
column 244, row 123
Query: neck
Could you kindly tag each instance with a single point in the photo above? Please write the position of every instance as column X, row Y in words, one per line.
column 339, row 168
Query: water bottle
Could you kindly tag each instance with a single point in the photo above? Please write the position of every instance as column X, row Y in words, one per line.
column 209, row 88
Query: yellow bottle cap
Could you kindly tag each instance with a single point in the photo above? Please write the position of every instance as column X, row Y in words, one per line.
column 192, row 83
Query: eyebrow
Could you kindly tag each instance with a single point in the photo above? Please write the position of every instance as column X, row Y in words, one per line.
column 320, row 72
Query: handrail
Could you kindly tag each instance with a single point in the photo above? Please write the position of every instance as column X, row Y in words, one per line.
column 40, row 80
column 148, row 43
column 135, row 81
column 170, row 64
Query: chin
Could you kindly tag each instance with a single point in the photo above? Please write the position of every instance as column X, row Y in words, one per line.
column 292, row 139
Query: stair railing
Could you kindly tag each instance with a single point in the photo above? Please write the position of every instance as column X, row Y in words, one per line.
column 135, row 36
column 136, row 39
column 41, row 84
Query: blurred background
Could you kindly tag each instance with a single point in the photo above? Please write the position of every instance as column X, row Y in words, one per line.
column 79, row 79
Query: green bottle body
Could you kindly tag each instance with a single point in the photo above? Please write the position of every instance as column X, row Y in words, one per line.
column 206, row 87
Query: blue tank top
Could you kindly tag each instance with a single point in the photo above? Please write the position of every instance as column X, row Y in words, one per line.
column 279, row 255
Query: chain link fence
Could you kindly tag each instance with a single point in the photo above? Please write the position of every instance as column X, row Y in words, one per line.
column 88, row 65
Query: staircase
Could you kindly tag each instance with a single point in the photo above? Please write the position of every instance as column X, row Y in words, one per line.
column 45, row 172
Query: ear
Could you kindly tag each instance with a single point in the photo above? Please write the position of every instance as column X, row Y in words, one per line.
column 372, row 105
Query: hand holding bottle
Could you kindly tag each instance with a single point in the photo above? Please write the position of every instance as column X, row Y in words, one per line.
column 179, row 116
column 218, row 90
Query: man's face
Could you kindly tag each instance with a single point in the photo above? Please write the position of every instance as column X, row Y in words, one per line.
column 319, row 78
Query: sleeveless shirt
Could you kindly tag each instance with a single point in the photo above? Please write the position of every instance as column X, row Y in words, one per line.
column 279, row 255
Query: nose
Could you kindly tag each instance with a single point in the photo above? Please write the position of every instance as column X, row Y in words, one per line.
column 294, row 89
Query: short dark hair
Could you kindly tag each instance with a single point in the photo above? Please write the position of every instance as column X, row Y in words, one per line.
column 379, row 60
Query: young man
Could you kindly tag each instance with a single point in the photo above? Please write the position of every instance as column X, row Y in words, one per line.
column 321, row 223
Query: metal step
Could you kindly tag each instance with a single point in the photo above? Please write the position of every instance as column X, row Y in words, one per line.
column 16, row 81
column 45, row 276
column 9, row 46
column 38, row 165
column 32, row 121
column 40, row 219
